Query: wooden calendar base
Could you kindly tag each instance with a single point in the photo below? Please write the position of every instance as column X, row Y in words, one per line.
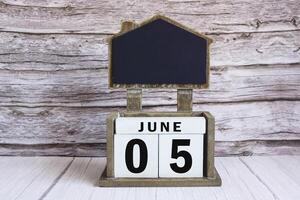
column 159, row 182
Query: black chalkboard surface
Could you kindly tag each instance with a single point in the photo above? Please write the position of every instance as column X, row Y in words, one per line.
column 159, row 53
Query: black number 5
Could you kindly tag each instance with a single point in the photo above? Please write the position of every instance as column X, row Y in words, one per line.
column 184, row 154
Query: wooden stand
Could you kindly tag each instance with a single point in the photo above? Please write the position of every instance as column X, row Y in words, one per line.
column 184, row 108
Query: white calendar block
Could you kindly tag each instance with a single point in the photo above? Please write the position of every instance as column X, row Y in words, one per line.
column 181, row 155
column 158, row 125
column 136, row 156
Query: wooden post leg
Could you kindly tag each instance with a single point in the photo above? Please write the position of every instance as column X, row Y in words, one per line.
column 134, row 100
column 184, row 100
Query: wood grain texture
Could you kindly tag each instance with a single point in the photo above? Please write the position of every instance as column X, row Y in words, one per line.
column 54, row 149
column 222, row 148
column 89, row 87
column 53, row 52
column 234, row 122
column 54, row 95
column 97, row 16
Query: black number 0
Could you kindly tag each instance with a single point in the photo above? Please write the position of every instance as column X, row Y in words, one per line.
column 143, row 156
column 176, row 154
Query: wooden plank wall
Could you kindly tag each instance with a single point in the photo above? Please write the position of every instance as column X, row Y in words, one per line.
column 54, row 95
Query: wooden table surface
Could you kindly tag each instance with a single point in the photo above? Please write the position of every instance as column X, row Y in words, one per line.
column 273, row 177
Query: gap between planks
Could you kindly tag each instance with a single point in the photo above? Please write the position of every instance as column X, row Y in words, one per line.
column 258, row 178
column 57, row 179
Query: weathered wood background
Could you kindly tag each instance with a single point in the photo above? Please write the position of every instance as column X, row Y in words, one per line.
column 54, row 95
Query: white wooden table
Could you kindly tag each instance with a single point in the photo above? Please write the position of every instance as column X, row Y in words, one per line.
column 276, row 177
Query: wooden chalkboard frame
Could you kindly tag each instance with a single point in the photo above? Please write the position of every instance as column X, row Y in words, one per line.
column 171, row 86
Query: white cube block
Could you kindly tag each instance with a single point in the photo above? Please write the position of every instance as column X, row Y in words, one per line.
column 136, row 156
column 181, row 155
column 158, row 125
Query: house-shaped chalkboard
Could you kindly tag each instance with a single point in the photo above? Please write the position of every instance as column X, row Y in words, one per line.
column 159, row 53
